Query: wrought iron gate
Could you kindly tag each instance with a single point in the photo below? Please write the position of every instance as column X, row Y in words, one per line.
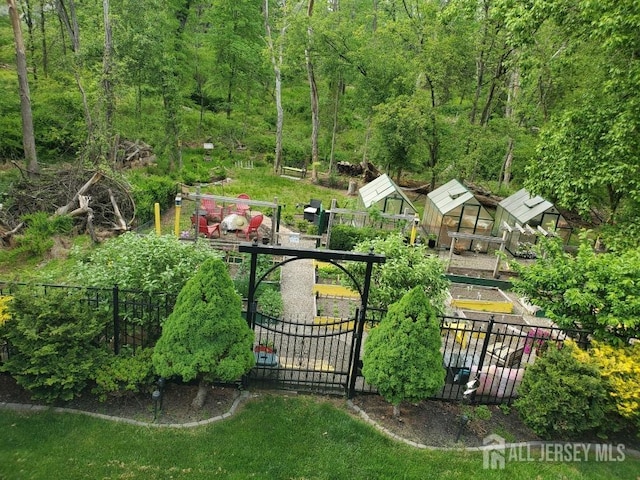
column 318, row 357
column 304, row 355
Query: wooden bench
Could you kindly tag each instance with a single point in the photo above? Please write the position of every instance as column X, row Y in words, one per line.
column 293, row 171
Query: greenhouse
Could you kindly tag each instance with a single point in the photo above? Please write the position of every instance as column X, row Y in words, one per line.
column 528, row 217
column 453, row 208
column 387, row 196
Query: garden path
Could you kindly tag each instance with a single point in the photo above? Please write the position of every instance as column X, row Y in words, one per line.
column 296, row 280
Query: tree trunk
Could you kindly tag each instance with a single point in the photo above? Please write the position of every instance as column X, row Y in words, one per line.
column 334, row 130
column 69, row 19
column 505, row 176
column 276, row 63
column 45, row 56
column 396, row 411
column 107, row 67
column 28, row 136
column 27, row 16
column 201, row 397
column 313, row 91
column 367, row 133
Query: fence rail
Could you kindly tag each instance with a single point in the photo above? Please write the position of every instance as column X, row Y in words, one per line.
column 323, row 357
column 494, row 352
column 135, row 316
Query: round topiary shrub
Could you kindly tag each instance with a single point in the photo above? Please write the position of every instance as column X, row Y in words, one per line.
column 562, row 396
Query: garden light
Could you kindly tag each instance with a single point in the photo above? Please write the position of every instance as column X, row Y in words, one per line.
column 155, row 396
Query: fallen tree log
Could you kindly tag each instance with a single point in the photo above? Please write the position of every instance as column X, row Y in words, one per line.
column 93, row 180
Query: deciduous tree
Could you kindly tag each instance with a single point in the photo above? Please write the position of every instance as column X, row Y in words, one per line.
column 406, row 267
column 28, row 136
column 596, row 292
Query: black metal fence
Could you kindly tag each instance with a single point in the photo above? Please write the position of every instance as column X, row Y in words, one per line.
column 493, row 352
column 135, row 317
column 322, row 357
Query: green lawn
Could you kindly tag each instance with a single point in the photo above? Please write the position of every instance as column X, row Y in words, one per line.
column 272, row 437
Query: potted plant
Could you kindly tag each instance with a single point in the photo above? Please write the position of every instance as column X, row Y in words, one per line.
column 431, row 240
column 265, row 354
column 265, row 346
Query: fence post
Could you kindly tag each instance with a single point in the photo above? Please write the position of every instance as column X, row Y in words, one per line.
column 483, row 353
column 116, row 320
column 359, row 328
column 485, row 344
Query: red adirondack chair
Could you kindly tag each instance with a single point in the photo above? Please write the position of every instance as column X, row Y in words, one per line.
column 242, row 208
column 205, row 228
column 253, row 226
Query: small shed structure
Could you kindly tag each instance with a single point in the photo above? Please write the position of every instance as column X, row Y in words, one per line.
column 453, row 208
column 384, row 193
column 529, row 216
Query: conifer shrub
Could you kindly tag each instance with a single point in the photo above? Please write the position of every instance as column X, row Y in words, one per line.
column 562, row 396
column 53, row 341
column 205, row 338
column 402, row 354
column 620, row 373
column 127, row 373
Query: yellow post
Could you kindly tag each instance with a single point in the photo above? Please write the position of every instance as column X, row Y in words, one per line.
column 414, row 230
column 156, row 209
column 176, row 227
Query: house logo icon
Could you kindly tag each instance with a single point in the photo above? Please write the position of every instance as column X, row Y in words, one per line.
column 493, row 452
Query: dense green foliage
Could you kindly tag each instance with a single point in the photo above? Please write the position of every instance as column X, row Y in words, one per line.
column 402, row 354
column 270, row 302
column 620, row 373
column 151, row 263
column 126, row 373
column 589, row 290
column 562, row 396
column 205, row 337
column 149, row 190
column 54, row 342
column 38, row 235
column 345, row 237
column 497, row 92
column 589, row 149
column 405, row 267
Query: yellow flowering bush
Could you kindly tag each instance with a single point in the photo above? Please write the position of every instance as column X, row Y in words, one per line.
column 4, row 310
column 620, row 370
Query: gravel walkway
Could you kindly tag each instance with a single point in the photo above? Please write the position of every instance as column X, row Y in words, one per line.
column 296, row 280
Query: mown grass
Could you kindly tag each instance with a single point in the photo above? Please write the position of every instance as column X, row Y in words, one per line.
column 270, row 437
column 262, row 184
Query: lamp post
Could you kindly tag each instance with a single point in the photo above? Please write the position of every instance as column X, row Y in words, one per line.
column 155, row 396
column 161, row 384
column 176, row 226
column 470, row 390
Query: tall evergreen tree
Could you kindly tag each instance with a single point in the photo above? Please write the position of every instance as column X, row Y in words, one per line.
column 205, row 337
column 402, row 354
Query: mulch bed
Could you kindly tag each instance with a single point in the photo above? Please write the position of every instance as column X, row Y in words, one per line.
column 175, row 408
column 429, row 422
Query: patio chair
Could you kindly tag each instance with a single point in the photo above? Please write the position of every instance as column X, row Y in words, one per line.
column 253, row 226
column 242, row 208
column 204, row 227
column 504, row 354
column 208, row 204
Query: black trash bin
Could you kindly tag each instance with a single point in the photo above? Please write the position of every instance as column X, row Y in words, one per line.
column 311, row 210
